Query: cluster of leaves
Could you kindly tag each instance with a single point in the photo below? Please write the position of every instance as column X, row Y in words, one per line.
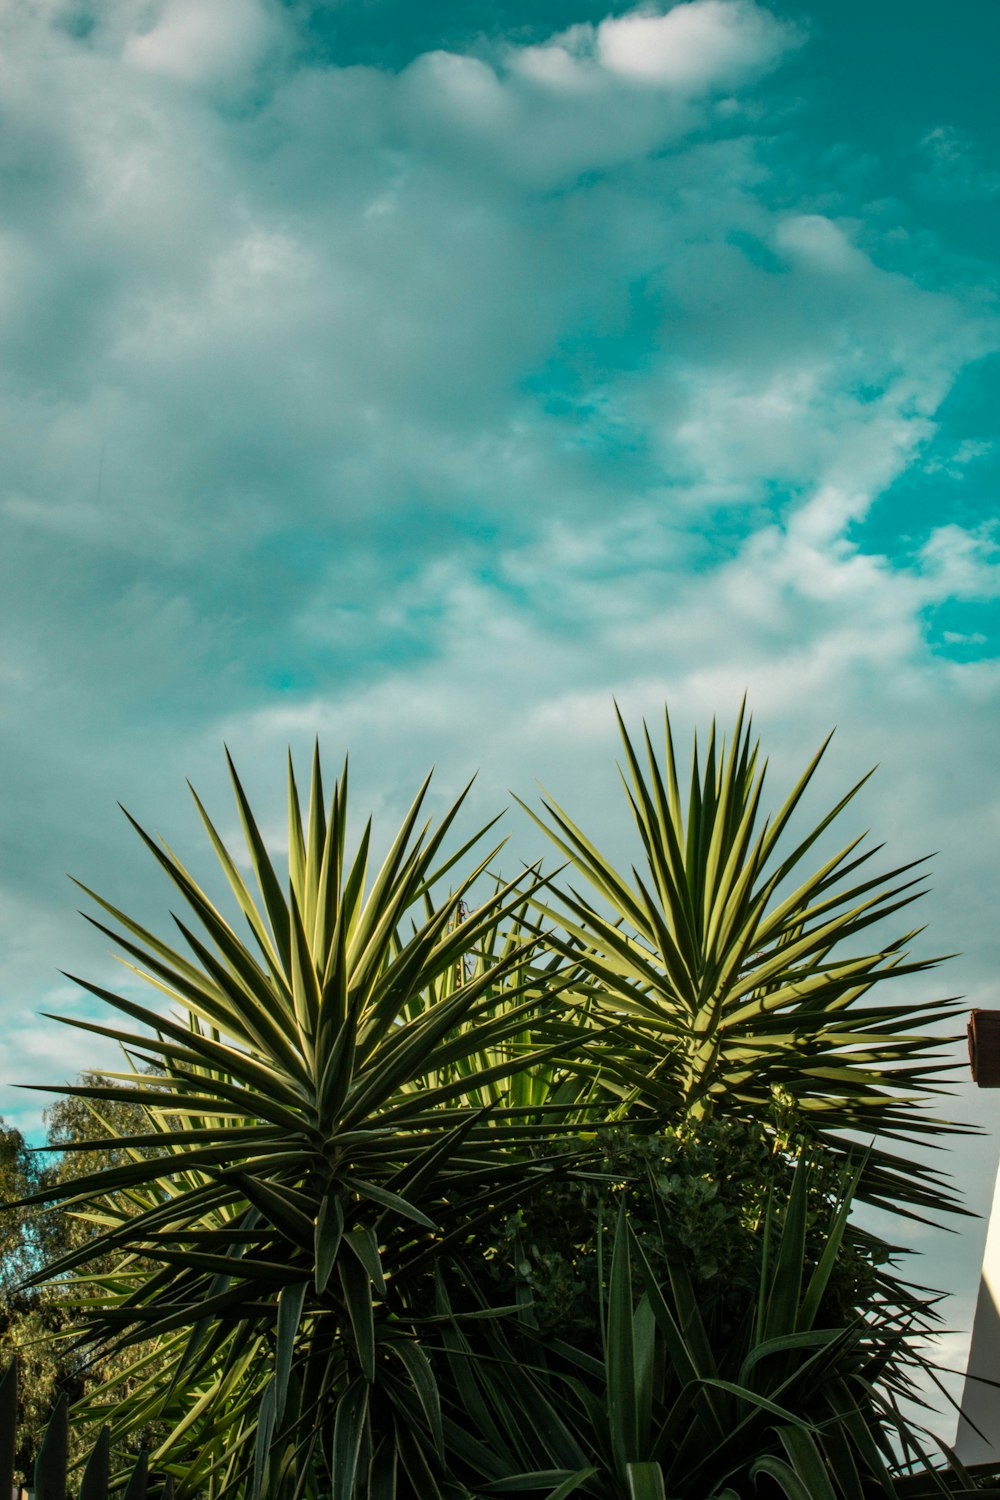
column 382, row 1144
column 697, row 1196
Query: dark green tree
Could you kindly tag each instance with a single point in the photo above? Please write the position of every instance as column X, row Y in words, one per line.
column 29, row 1321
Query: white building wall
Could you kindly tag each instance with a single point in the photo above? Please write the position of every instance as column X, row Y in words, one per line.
column 981, row 1402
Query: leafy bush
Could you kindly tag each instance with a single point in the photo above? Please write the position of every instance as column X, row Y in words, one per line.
column 697, row 1196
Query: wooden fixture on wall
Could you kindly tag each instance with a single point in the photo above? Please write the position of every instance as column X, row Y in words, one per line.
column 984, row 1048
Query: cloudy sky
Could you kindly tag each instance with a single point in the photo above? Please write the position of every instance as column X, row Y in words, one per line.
column 424, row 377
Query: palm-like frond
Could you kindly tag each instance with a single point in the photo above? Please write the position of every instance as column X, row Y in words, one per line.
column 731, row 975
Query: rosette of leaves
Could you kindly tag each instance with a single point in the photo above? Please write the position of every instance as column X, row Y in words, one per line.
column 325, row 1116
column 730, row 968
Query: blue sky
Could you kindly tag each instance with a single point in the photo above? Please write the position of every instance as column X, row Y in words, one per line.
column 423, row 377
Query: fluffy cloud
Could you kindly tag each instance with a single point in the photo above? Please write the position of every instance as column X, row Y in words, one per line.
column 202, row 44
column 708, row 44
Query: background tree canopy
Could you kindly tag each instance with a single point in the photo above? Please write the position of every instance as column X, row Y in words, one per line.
column 36, row 1322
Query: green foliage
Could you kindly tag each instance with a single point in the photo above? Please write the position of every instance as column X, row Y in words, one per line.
column 412, row 1196
column 28, row 1321
column 674, row 1401
column 697, row 1196
column 36, row 1322
column 26, row 1239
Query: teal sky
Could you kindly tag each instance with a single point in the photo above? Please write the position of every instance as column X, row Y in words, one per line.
column 425, row 376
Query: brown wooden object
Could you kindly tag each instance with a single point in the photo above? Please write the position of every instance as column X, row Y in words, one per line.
column 984, row 1048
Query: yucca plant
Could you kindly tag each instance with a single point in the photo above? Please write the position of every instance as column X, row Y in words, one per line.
column 731, row 971
column 324, row 1116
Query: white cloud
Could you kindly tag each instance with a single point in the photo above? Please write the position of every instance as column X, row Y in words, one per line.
column 706, row 44
column 694, row 48
column 195, row 43
column 564, row 64
column 546, row 112
column 465, row 90
column 965, row 558
column 819, row 242
column 951, row 167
